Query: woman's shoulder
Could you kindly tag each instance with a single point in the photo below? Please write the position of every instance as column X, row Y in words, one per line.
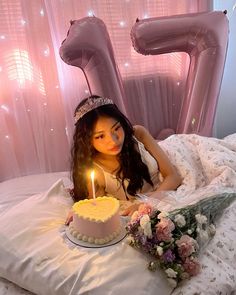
column 145, row 137
column 140, row 132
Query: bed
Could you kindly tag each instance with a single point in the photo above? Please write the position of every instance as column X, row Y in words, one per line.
column 37, row 258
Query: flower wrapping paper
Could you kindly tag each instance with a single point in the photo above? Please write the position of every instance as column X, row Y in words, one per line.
column 175, row 239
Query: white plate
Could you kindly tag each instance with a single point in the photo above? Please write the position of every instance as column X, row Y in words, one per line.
column 81, row 243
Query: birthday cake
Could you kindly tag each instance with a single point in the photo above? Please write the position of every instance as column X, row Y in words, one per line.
column 96, row 221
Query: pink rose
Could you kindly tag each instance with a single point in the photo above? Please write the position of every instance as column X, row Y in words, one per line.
column 192, row 266
column 185, row 246
column 164, row 229
column 144, row 209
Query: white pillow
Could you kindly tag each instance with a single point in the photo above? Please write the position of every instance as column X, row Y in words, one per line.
column 16, row 190
column 36, row 255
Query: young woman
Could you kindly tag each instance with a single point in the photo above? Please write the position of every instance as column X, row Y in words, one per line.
column 126, row 159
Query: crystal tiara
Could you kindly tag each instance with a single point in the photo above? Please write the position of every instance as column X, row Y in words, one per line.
column 91, row 104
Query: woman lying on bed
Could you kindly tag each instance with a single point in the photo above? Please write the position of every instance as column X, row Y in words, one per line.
column 126, row 159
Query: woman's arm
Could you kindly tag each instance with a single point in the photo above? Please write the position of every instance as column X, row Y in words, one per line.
column 171, row 178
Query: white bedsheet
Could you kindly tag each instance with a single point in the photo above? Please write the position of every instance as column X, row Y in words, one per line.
column 35, row 254
column 207, row 166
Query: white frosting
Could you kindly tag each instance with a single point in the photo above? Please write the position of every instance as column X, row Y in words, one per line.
column 98, row 241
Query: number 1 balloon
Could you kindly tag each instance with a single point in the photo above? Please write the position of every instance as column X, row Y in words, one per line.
column 88, row 47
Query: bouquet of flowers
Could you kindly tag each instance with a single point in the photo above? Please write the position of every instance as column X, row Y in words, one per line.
column 175, row 238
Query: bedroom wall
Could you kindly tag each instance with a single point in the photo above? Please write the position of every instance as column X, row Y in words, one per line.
column 225, row 121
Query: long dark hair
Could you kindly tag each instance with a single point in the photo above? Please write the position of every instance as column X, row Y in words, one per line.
column 82, row 152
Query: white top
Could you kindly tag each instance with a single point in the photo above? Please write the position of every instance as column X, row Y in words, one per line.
column 114, row 187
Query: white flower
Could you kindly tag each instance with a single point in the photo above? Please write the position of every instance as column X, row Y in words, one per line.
column 172, row 282
column 180, row 220
column 148, row 231
column 189, row 231
column 145, row 219
column 203, row 236
column 201, row 219
column 146, row 225
column 211, row 229
column 159, row 250
column 170, row 273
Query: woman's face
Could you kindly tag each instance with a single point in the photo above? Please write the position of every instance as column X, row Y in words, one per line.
column 108, row 136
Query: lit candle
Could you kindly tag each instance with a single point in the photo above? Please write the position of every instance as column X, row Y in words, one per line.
column 93, row 187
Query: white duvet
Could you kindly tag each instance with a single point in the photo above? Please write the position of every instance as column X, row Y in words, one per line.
column 35, row 254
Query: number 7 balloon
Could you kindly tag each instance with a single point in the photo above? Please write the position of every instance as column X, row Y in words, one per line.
column 204, row 36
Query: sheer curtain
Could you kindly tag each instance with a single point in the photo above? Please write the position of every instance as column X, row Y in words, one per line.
column 38, row 91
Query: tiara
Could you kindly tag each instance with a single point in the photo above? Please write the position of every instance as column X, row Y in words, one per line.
column 91, row 104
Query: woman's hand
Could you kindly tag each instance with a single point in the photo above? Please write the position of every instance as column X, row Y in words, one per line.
column 131, row 209
column 69, row 218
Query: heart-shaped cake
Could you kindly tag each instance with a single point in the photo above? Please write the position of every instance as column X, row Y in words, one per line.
column 96, row 220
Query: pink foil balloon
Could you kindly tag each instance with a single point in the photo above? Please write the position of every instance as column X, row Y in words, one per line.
column 88, row 47
column 204, row 37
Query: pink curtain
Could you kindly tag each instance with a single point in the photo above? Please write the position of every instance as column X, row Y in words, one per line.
column 38, row 91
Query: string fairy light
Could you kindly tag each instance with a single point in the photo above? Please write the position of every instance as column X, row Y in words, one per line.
column 90, row 13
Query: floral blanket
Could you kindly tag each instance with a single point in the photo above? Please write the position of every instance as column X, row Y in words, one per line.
column 207, row 167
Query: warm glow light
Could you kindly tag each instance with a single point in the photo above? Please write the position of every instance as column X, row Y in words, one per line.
column 5, row 108
column 42, row 12
column 19, row 66
column 92, row 181
column 193, row 121
column 41, row 85
column 46, row 52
